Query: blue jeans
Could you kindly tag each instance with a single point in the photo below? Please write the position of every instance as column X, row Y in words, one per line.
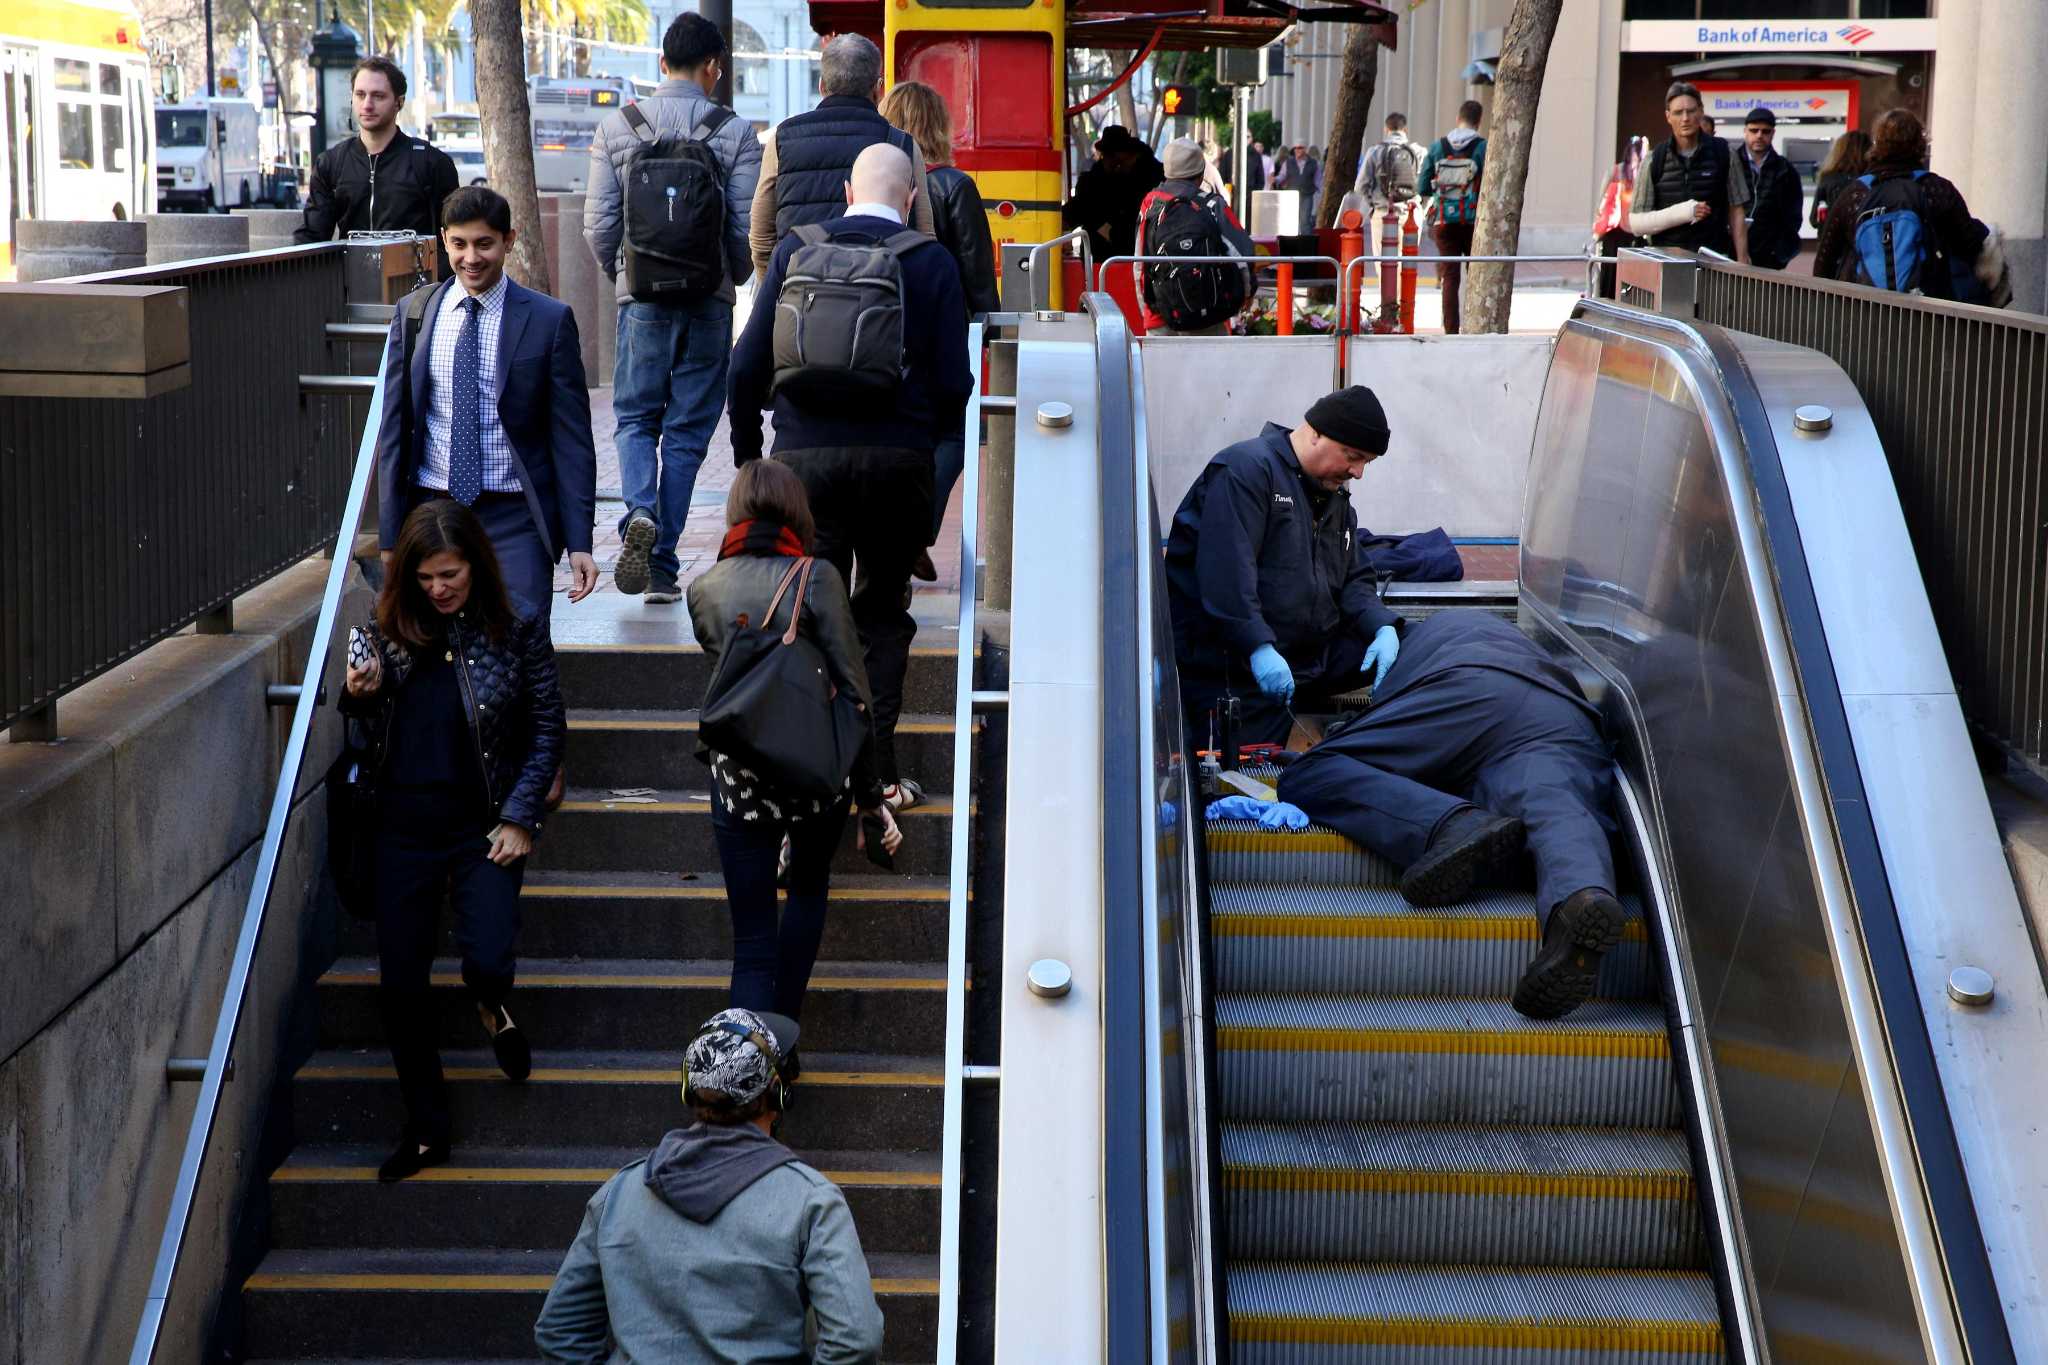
column 668, row 386
column 775, row 945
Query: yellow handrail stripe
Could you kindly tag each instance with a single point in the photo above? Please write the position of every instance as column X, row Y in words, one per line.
column 1545, row 1043
column 1528, row 1334
column 1272, row 924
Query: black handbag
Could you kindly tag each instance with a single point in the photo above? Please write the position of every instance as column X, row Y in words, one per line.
column 352, row 827
column 772, row 706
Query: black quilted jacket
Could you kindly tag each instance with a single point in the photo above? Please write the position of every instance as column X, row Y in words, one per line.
column 514, row 701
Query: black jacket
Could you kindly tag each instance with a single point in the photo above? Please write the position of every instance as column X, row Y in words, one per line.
column 814, row 153
column 398, row 190
column 1953, row 237
column 936, row 379
column 1108, row 201
column 514, row 702
column 1260, row 555
column 1775, row 203
column 961, row 220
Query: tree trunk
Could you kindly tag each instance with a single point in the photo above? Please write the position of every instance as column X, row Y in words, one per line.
column 1518, row 85
column 508, row 131
column 1126, row 107
column 1347, row 121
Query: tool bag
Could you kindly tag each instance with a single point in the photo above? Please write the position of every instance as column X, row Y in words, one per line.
column 772, row 705
column 839, row 317
column 674, row 202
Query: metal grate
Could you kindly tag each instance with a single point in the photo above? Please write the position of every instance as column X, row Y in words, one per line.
column 1956, row 394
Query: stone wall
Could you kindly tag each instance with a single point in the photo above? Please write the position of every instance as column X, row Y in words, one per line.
column 127, row 850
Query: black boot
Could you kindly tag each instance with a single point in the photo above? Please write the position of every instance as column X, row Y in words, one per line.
column 412, row 1157
column 1470, row 844
column 1567, row 967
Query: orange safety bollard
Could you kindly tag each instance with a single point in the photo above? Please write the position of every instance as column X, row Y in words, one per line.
column 1411, row 249
column 1390, row 270
column 1283, row 287
column 1350, row 246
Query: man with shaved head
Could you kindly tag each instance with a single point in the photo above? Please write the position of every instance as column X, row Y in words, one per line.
column 858, row 413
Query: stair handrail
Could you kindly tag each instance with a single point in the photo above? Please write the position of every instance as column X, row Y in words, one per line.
column 191, row 1165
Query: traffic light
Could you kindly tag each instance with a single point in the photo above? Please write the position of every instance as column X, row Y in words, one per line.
column 1177, row 101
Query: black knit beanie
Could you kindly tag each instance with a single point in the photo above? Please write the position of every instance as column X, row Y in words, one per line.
column 1351, row 417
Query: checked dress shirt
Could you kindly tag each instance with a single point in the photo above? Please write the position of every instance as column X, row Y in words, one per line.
column 464, row 365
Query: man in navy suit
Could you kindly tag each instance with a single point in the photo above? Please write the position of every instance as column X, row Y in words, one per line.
column 488, row 406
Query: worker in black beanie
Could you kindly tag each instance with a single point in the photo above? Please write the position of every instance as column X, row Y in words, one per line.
column 1272, row 592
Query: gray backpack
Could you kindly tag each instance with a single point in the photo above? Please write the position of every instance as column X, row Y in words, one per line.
column 839, row 317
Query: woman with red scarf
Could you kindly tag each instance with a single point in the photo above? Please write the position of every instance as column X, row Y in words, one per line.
column 768, row 519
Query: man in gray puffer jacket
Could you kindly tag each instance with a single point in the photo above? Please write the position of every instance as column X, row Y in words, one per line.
column 714, row 1246
column 668, row 384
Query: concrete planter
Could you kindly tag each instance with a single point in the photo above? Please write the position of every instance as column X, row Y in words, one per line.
column 56, row 249
column 194, row 236
column 269, row 228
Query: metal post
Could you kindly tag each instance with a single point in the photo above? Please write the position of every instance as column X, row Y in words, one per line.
column 1240, row 152
column 719, row 12
column 999, row 499
column 209, row 49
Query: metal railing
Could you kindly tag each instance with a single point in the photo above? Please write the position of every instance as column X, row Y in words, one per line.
column 218, row 1066
column 1958, row 398
column 123, row 521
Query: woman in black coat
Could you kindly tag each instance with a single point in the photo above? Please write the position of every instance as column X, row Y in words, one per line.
column 1952, row 238
column 464, row 716
column 960, row 221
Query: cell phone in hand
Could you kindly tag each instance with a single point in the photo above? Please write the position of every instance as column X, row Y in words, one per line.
column 358, row 648
column 872, row 829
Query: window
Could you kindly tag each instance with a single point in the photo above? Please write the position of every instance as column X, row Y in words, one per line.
column 73, row 75
column 114, row 136
column 74, row 136
column 181, row 128
column 749, row 72
column 110, row 79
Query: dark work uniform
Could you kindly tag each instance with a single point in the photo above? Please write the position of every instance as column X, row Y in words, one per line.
column 1472, row 712
column 1259, row 554
column 1776, row 204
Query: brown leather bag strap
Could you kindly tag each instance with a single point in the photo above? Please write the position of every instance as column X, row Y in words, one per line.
column 796, row 613
column 768, row 617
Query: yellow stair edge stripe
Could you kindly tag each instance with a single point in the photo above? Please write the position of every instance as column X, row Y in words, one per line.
column 717, row 981
column 1650, row 1185
column 561, row 1175
column 621, row 1076
column 935, row 895
column 1544, row 1043
column 1269, row 924
column 294, row 1280
column 903, row 727
column 1528, row 1334
column 1310, row 840
column 931, row 806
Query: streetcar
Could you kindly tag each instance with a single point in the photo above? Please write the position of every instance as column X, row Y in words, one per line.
column 566, row 111
column 76, row 114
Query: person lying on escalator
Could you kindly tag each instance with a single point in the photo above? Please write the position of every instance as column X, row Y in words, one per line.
column 1477, row 743
column 1271, row 587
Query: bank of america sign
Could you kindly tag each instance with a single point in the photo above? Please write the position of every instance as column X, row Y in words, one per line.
column 1777, row 35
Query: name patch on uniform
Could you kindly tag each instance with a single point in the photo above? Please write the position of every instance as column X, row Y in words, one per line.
column 1282, row 500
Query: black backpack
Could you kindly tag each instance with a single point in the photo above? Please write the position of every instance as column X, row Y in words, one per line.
column 839, row 317
column 1199, row 294
column 674, row 203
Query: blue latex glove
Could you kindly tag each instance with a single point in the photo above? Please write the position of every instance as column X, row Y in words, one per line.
column 1385, row 648
column 1280, row 815
column 1276, row 679
column 1236, row 808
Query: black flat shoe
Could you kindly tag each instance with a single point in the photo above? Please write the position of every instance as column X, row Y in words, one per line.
column 515, row 1055
column 1471, row 844
column 1567, row 968
column 410, row 1159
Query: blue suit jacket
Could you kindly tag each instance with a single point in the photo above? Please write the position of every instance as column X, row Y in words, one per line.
column 544, row 404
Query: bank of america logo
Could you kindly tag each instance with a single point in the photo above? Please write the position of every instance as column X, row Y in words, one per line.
column 1855, row 33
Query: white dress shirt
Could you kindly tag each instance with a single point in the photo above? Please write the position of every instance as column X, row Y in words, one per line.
column 868, row 210
column 501, row 472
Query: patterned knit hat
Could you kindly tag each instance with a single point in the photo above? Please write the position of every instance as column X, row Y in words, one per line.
column 737, row 1054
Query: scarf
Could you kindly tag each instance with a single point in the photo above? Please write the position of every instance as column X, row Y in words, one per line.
column 760, row 536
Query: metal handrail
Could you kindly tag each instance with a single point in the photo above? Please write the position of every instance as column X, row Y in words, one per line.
column 965, row 702
column 1079, row 235
column 200, row 1134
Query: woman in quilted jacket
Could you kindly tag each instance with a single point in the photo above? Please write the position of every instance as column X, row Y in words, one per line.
column 465, row 723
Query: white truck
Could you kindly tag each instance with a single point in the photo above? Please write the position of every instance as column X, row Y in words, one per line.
column 209, row 157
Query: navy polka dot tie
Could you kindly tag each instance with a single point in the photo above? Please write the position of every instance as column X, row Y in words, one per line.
column 465, row 438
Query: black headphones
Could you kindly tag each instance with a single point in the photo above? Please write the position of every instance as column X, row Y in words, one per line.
column 778, row 1084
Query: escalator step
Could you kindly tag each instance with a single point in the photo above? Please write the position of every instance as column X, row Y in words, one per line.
column 1368, row 940
column 1242, row 852
column 1443, row 1060
column 1428, row 1315
column 1511, row 1195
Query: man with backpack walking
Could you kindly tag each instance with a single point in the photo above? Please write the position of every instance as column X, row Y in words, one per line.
column 1390, row 175
column 859, row 339
column 1182, row 217
column 1901, row 227
column 1694, row 193
column 671, row 185
column 1450, row 179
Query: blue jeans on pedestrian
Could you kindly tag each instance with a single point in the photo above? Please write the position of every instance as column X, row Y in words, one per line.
column 775, row 944
column 668, row 388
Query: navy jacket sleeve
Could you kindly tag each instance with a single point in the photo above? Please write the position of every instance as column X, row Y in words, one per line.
column 526, row 803
column 1360, row 601
column 575, row 453
column 1227, row 546
column 753, row 360
column 391, row 425
column 946, row 357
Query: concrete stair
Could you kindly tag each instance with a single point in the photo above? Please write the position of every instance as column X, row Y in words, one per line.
column 625, row 946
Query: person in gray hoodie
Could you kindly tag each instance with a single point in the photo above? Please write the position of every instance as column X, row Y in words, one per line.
column 715, row 1246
